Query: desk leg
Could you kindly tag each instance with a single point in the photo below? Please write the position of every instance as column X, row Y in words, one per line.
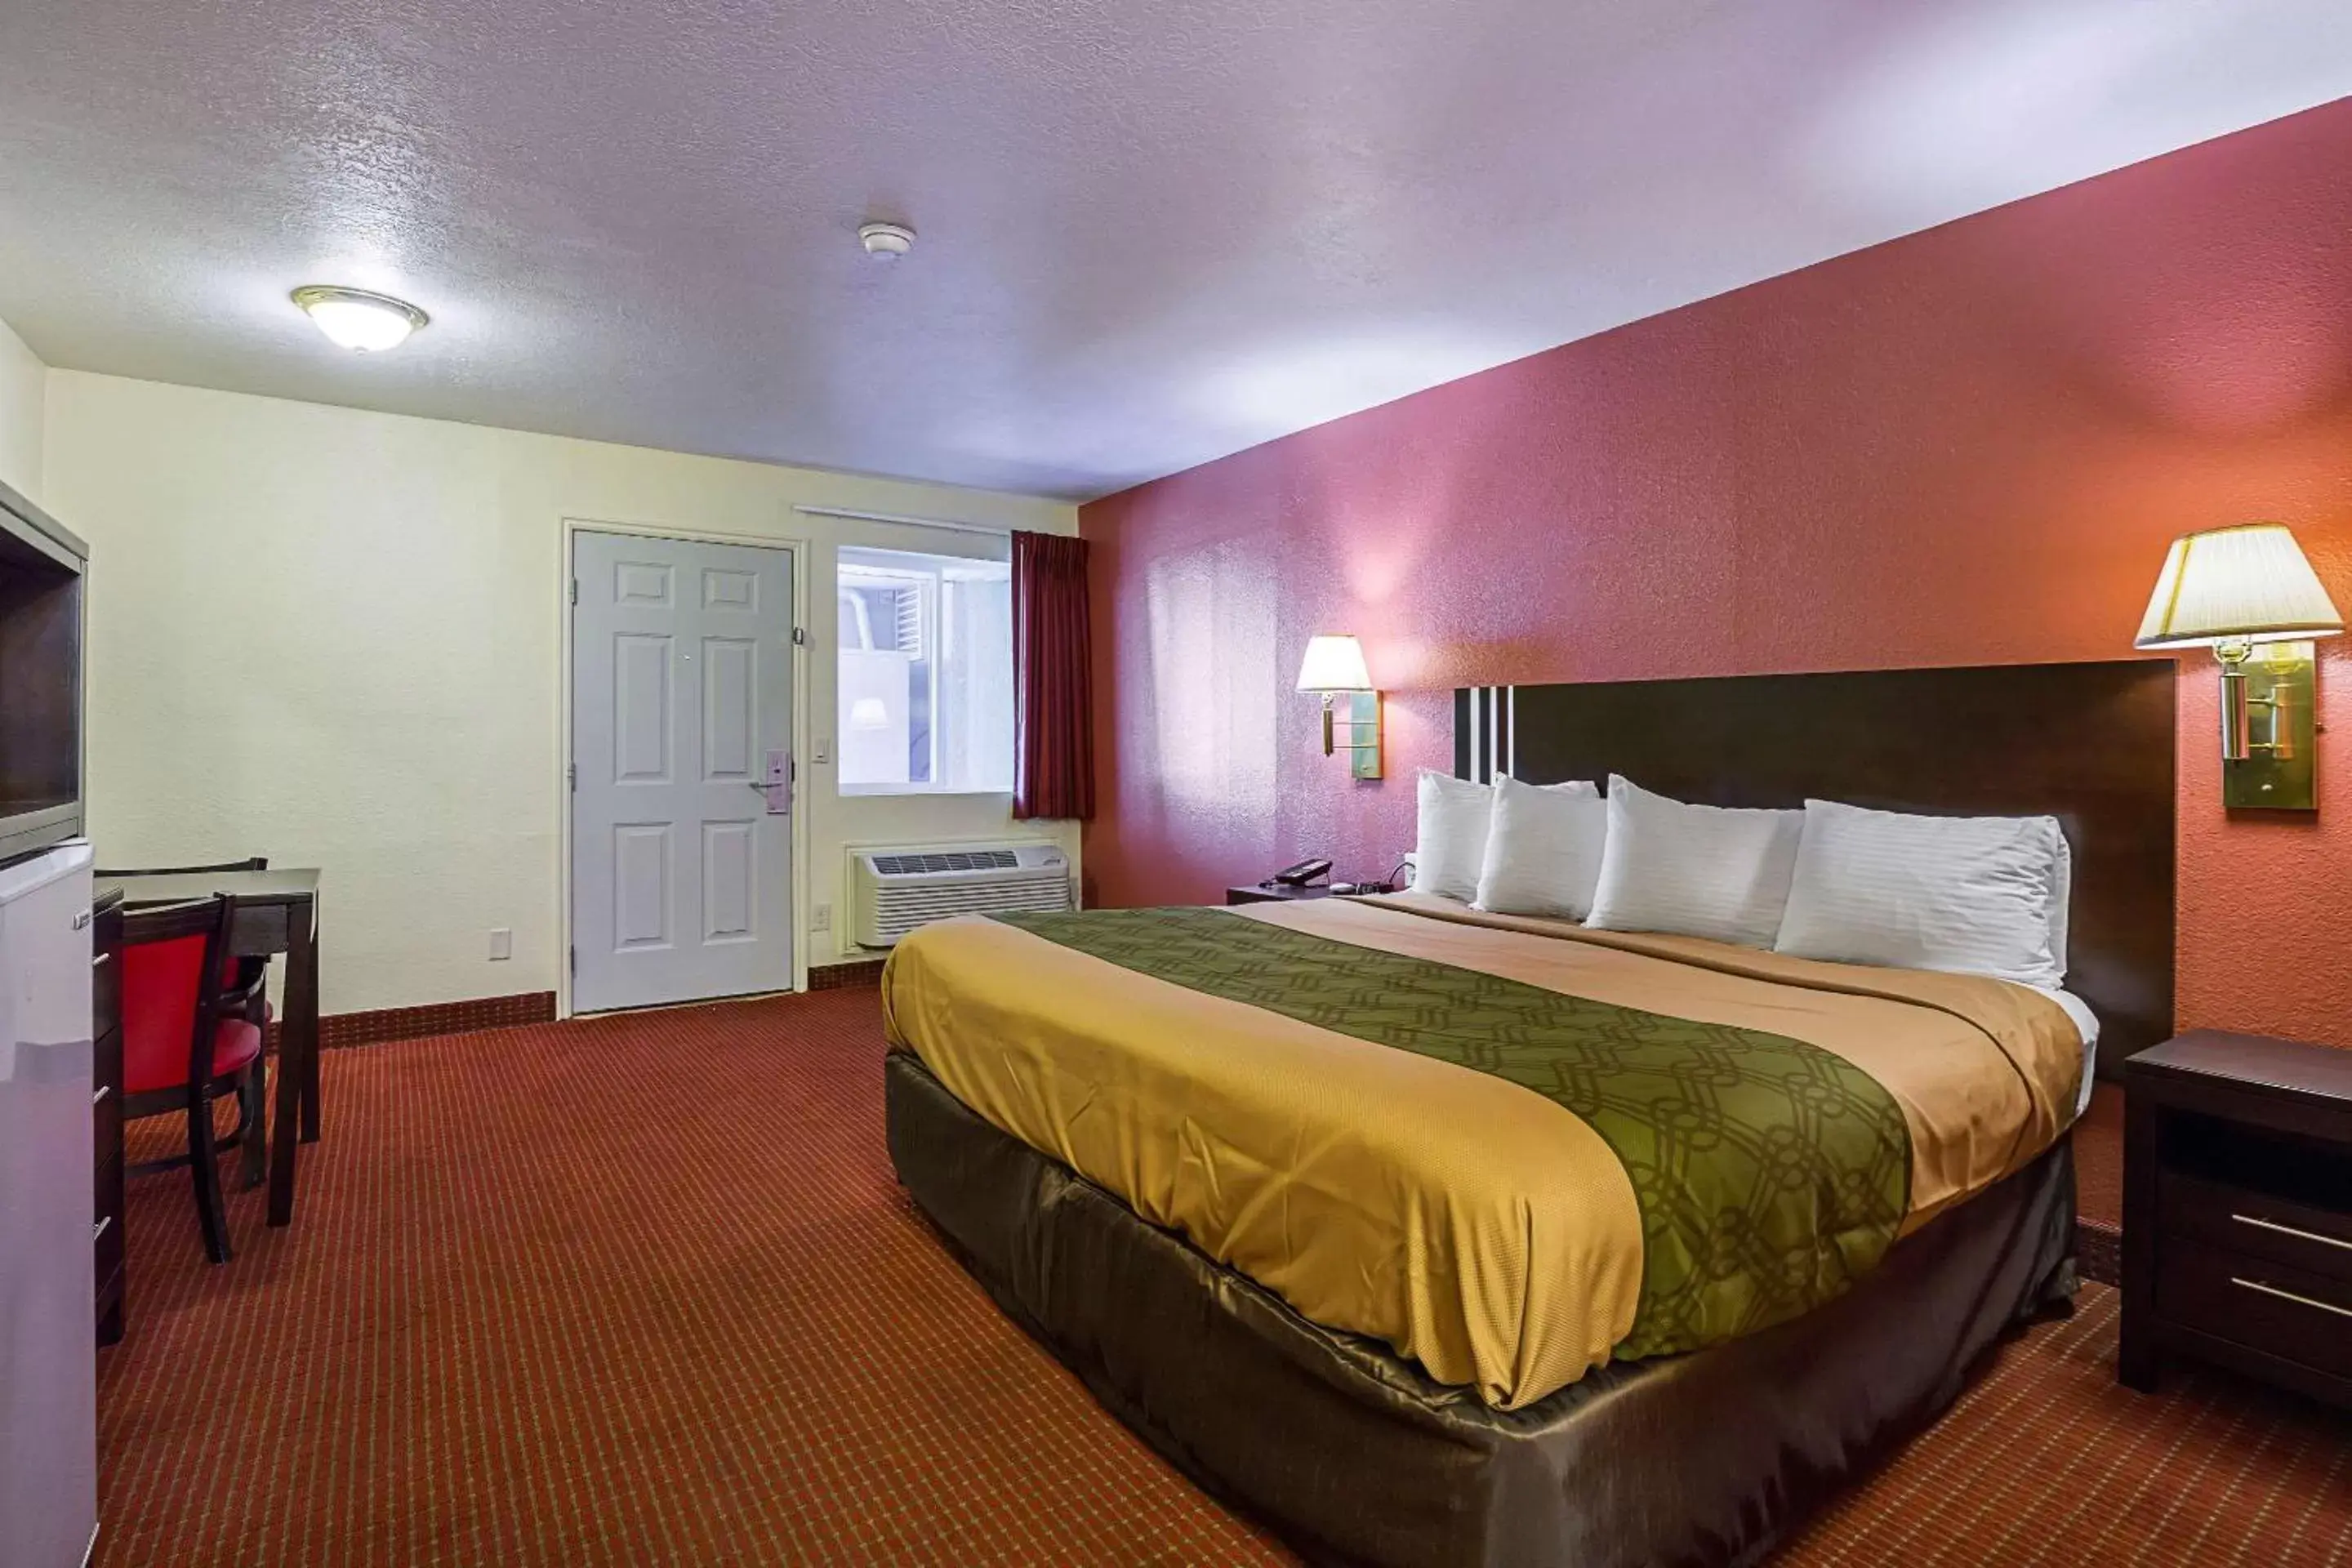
column 298, row 1066
column 302, row 994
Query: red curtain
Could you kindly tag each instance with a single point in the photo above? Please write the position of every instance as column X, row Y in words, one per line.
column 1053, row 680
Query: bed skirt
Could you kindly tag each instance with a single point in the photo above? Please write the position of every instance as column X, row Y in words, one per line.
column 1355, row 1456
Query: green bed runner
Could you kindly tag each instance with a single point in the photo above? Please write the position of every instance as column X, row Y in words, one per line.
column 1770, row 1172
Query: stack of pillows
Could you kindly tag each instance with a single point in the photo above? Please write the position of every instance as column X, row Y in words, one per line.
column 1970, row 895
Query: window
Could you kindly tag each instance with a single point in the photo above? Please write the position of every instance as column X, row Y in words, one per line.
column 926, row 673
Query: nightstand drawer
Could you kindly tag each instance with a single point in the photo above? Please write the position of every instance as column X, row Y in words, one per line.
column 2266, row 1306
column 2260, row 1225
column 1280, row 893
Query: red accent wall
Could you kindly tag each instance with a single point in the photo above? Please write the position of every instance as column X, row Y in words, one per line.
column 1967, row 447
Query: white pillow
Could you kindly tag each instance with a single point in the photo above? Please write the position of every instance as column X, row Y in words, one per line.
column 1451, row 846
column 1693, row 871
column 2061, row 902
column 1966, row 895
column 1543, row 850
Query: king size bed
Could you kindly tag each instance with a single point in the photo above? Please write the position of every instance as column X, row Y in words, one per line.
column 1439, row 1236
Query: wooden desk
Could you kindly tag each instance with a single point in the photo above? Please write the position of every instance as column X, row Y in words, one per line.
column 277, row 912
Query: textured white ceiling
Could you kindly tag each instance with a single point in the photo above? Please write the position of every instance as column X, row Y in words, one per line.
column 1151, row 233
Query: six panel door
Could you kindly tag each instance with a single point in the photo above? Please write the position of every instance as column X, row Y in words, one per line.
column 681, row 725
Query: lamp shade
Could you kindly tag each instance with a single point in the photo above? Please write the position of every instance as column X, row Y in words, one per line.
column 1334, row 664
column 2248, row 584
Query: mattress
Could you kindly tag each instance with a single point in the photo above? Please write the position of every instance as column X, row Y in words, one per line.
column 1511, row 1151
column 1357, row 1456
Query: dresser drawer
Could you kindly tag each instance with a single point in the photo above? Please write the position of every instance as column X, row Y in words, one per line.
column 106, row 1121
column 2270, row 1307
column 106, row 971
column 105, row 1200
column 2260, row 1225
column 106, row 1061
column 106, row 1243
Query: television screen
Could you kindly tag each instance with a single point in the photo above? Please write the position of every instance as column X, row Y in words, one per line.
column 40, row 679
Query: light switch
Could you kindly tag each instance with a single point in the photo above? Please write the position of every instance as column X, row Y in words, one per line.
column 501, row 943
column 823, row 751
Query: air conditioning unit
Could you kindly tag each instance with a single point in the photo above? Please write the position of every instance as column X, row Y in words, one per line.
column 895, row 890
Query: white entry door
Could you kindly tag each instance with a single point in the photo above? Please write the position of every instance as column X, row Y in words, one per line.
column 682, row 771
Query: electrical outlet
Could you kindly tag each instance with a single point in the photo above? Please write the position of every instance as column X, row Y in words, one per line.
column 501, row 943
column 821, row 918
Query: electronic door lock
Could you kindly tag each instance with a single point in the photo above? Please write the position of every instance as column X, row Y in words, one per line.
column 775, row 786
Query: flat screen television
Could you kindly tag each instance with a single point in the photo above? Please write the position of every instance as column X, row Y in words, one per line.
column 41, row 568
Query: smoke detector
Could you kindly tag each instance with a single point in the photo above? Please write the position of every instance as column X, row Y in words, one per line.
column 885, row 241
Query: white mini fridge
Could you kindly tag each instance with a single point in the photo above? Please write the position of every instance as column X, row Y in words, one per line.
column 48, row 1371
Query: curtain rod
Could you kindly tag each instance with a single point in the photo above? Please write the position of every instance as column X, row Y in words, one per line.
column 994, row 530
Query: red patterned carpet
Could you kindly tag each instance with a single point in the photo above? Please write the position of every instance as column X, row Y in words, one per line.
column 636, row 1291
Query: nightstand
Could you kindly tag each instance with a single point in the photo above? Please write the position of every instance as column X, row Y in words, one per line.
column 1277, row 893
column 2238, row 1211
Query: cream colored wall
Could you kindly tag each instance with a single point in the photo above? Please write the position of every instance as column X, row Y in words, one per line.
column 23, row 382
column 335, row 637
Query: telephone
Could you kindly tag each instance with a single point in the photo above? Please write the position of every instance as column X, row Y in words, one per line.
column 1305, row 872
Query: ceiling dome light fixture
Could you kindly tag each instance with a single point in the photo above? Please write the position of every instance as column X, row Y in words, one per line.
column 885, row 241
column 357, row 319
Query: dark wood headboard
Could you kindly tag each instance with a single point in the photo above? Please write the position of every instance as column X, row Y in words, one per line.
column 2091, row 744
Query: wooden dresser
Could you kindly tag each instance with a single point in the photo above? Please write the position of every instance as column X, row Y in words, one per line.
column 105, row 1111
column 2238, row 1211
column 49, row 1367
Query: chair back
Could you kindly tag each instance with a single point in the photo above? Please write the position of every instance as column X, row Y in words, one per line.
column 240, row 973
column 172, row 992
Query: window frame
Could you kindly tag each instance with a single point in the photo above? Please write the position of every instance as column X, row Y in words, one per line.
column 929, row 571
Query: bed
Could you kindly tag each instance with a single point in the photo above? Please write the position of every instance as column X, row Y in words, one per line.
column 1707, row 1231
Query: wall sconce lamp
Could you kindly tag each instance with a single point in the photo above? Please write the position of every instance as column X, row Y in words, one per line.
column 2250, row 595
column 1334, row 667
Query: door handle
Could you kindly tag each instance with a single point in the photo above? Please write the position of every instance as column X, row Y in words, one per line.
column 2290, row 1296
column 2290, row 1230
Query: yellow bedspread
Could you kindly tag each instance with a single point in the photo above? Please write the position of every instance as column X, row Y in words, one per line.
column 1474, row 1225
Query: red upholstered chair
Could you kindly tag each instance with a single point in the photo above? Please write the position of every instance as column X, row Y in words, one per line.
column 249, row 974
column 189, row 1039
